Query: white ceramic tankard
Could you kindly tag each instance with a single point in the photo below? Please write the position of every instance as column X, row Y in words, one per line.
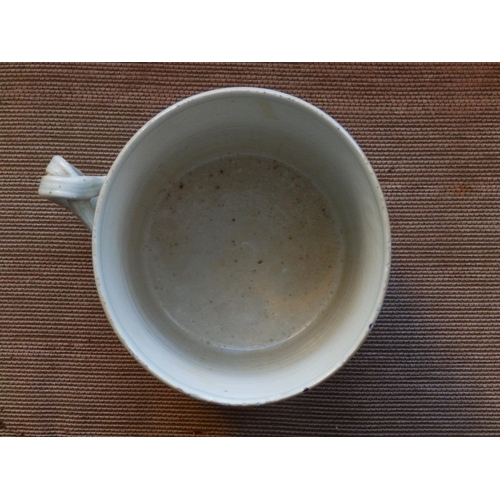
column 241, row 244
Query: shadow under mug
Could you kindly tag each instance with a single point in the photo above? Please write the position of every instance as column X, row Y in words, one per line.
column 183, row 318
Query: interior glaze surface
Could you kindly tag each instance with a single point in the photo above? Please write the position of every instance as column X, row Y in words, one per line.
column 241, row 252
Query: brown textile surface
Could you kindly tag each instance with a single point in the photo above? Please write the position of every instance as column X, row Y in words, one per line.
column 431, row 365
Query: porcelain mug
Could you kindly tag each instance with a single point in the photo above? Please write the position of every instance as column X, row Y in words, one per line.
column 240, row 244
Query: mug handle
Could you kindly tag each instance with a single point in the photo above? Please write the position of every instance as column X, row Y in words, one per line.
column 67, row 186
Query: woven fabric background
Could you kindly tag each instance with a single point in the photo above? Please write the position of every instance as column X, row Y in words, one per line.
column 431, row 365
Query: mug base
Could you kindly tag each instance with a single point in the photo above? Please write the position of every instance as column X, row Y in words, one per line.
column 242, row 252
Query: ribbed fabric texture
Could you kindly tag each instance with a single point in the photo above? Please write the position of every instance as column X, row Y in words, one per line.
column 431, row 365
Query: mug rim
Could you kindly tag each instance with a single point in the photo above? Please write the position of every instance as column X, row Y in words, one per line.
column 147, row 128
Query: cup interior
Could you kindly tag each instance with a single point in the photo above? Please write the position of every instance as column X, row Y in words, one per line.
column 242, row 246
